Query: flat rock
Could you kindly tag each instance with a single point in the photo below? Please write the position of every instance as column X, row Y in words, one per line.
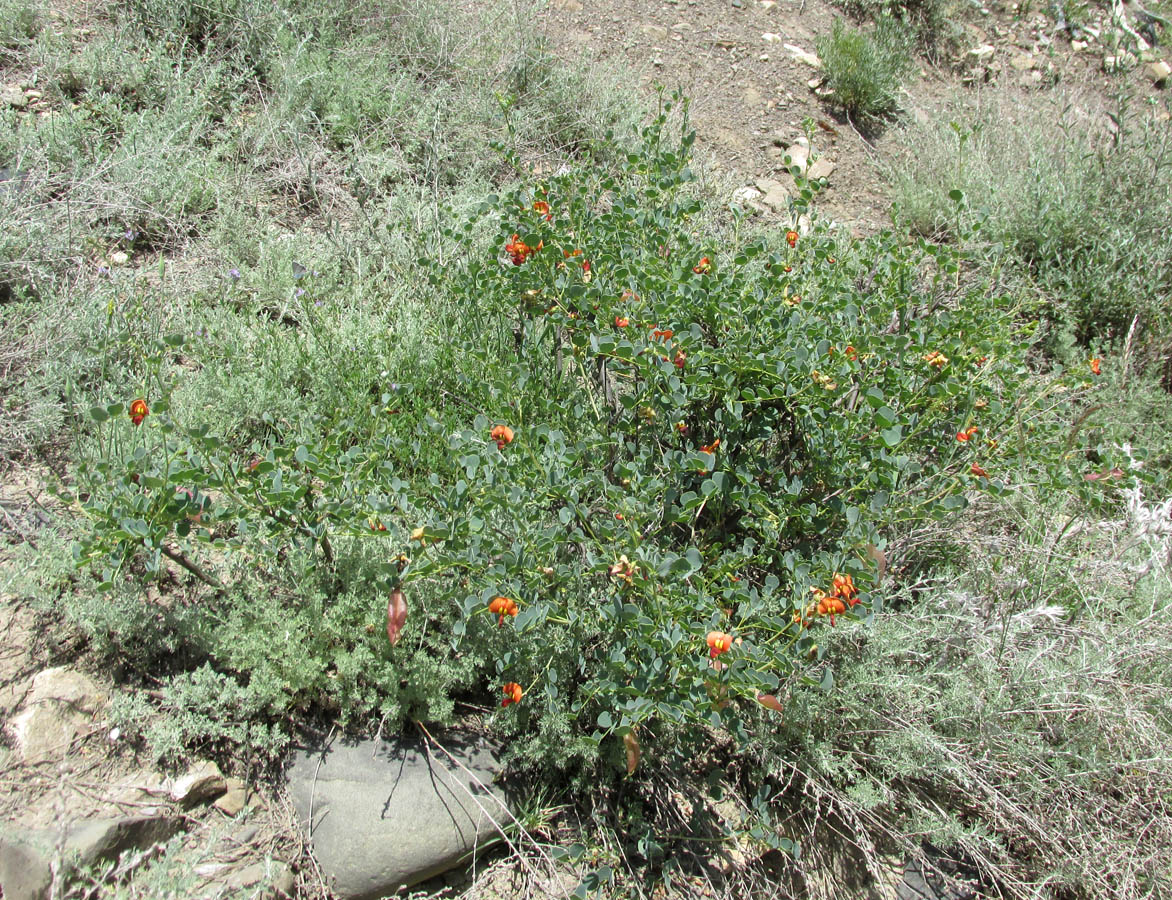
column 200, row 782
column 1023, row 62
column 820, row 168
column 235, row 797
column 382, row 815
column 60, row 705
column 26, row 853
column 12, row 95
column 1158, row 71
column 804, row 56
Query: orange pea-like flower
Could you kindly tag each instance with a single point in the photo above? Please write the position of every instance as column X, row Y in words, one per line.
column 138, row 411
column 966, row 435
column 1095, row 364
column 502, row 434
column 680, row 359
column 621, row 322
column 718, row 643
column 502, row 606
column 682, row 428
column 519, row 250
column 850, row 353
column 512, row 692
column 978, row 471
column 936, row 358
column 703, row 267
column 543, row 209
column 710, row 448
column 843, row 587
column 791, row 237
column 662, row 334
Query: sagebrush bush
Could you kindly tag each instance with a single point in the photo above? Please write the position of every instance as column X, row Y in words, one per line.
column 865, row 69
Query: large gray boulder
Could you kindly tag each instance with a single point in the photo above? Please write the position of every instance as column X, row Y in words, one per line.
column 383, row 815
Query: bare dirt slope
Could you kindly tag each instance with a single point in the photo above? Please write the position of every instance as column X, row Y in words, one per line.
column 745, row 66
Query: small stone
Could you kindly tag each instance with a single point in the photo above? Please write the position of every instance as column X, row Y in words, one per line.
column 1023, row 62
column 737, row 4
column 804, row 56
column 1159, row 71
column 12, row 95
column 201, row 782
column 767, row 4
column 820, row 168
column 814, row 83
column 119, row 258
column 233, row 801
column 777, row 199
column 771, row 37
column 982, row 53
column 1078, row 46
column 799, row 153
column 744, row 196
column 765, row 185
column 764, row 57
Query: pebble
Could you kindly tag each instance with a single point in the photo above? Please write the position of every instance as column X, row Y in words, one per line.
column 1159, row 71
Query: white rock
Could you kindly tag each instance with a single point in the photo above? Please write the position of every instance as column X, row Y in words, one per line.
column 60, row 704
column 1078, row 45
column 1158, row 71
column 771, row 37
column 982, row 53
column 814, row 83
column 778, row 199
column 804, row 56
column 119, row 258
column 798, row 155
column 743, row 196
column 202, row 781
column 821, row 168
column 1023, row 62
column 767, row 4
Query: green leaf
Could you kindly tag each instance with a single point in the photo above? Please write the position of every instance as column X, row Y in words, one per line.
column 605, row 721
column 892, row 436
column 98, row 414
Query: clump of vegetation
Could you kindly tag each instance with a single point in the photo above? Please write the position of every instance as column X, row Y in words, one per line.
column 1079, row 221
column 865, row 69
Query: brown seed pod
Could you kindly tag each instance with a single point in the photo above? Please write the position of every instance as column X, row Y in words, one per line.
column 396, row 616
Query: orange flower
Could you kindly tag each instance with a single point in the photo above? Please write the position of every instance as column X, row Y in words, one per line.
column 624, row 570
column 512, row 692
column 682, row 428
column 138, row 411
column 1095, row 364
column 543, row 208
column 718, row 643
column 620, row 322
column 662, row 334
column 376, row 525
column 502, row 434
column 791, row 237
column 680, row 359
column 710, row 448
column 703, row 267
column 502, row 606
column 936, row 358
column 519, row 250
column 850, row 353
column 843, row 587
column 965, row 435
column 978, row 471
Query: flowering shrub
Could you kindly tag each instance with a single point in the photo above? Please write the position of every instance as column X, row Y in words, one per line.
column 657, row 470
